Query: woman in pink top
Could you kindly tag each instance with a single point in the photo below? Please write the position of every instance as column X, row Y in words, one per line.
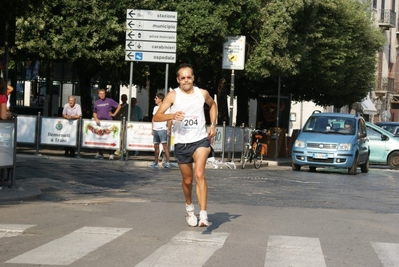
column 3, row 100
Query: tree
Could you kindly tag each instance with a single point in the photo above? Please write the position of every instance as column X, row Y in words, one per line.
column 88, row 33
column 322, row 48
column 325, row 49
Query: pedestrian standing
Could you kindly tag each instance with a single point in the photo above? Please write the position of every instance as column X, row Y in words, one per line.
column 191, row 138
column 71, row 111
column 136, row 114
column 102, row 110
column 3, row 100
column 160, row 133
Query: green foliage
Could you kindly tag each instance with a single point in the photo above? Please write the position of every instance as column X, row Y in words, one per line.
column 325, row 50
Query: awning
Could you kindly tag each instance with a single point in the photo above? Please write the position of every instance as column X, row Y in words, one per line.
column 368, row 106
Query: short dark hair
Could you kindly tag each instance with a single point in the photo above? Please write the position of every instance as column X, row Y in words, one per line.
column 160, row 95
column 183, row 66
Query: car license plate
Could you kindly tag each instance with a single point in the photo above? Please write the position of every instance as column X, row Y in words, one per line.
column 320, row 156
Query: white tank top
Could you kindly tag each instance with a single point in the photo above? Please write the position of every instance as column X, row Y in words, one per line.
column 192, row 128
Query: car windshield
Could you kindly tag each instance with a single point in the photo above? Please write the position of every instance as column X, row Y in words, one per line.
column 330, row 125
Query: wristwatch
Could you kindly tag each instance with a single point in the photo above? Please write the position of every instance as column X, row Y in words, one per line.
column 213, row 123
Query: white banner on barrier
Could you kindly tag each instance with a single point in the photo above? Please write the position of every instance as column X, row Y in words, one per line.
column 59, row 131
column 139, row 136
column 218, row 140
column 26, row 126
column 7, row 132
column 106, row 135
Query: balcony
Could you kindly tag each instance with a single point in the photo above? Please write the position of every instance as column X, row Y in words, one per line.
column 386, row 18
column 385, row 85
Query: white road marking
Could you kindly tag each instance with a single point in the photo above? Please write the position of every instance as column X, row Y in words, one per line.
column 294, row 251
column 67, row 249
column 388, row 253
column 186, row 249
column 7, row 230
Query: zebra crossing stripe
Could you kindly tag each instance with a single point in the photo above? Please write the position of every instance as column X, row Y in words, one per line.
column 7, row 230
column 387, row 252
column 69, row 248
column 188, row 248
column 294, row 251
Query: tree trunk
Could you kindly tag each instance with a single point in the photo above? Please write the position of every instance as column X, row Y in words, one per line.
column 86, row 72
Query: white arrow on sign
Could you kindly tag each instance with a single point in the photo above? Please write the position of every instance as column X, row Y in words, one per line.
column 151, row 36
column 151, row 15
column 160, row 26
column 150, row 46
column 150, row 57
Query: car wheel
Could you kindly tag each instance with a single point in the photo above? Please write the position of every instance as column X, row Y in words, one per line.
column 352, row 170
column 312, row 169
column 296, row 167
column 365, row 167
column 393, row 160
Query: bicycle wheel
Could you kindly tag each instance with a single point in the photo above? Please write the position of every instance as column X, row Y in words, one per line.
column 245, row 158
column 258, row 157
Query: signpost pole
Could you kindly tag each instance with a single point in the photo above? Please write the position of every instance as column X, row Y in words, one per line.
column 231, row 97
column 130, row 90
column 166, row 77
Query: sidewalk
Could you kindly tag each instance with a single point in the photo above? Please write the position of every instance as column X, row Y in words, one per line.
column 25, row 191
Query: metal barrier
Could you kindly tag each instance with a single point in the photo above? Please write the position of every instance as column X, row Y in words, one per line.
column 8, row 131
column 38, row 131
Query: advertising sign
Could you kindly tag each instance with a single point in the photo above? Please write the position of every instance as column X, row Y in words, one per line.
column 57, row 131
column 107, row 135
column 234, row 53
column 139, row 136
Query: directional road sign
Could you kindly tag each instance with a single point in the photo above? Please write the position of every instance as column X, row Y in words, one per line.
column 150, row 57
column 151, row 36
column 150, row 46
column 151, row 15
column 150, row 25
column 133, row 35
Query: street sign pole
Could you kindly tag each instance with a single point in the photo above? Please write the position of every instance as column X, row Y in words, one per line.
column 233, row 59
column 231, row 97
column 150, row 37
column 166, row 77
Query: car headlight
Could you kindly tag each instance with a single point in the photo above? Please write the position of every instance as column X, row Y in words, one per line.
column 344, row 146
column 299, row 144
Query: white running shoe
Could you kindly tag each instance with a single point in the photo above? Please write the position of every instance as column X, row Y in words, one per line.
column 98, row 156
column 154, row 165
column 203, row 222
column 191, row 219
column 111, row 157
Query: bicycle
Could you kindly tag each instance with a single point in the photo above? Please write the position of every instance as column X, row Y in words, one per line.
column 254, row 151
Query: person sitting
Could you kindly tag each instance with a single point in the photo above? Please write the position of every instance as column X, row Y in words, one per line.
column 348, row 126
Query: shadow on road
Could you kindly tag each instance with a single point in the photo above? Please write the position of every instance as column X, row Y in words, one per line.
column 218, row 219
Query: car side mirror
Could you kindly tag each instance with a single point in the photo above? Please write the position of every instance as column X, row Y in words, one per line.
column 384, row 137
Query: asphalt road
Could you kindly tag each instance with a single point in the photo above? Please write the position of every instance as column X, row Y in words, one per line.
column 267, row 217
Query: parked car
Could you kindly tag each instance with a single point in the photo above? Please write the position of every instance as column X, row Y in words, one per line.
column 325, row 141
column 384, row 146
column 390, row 126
